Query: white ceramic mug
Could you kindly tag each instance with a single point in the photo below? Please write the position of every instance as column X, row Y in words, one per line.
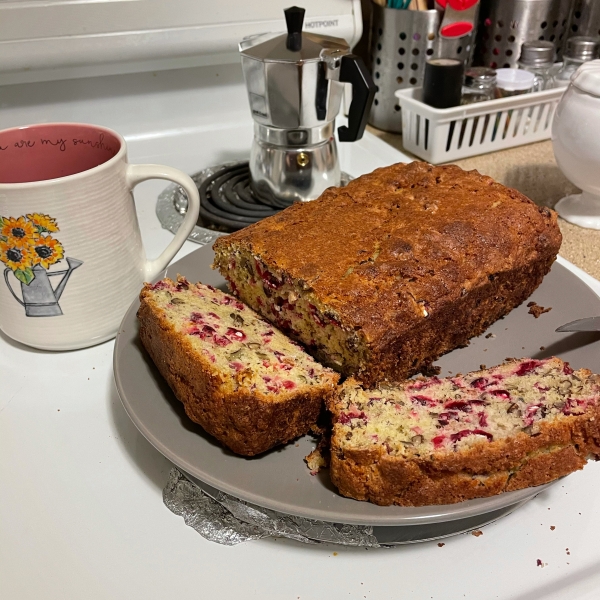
column 71, row 252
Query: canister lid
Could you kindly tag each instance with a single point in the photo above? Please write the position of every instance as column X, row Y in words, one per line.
column 514, row 80
column 587, row 78
column 537, row 53
column 582, row 47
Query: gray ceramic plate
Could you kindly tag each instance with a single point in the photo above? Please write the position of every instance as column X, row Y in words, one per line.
column 279, row 479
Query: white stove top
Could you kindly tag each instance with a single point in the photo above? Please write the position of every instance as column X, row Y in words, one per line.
column 81, row 512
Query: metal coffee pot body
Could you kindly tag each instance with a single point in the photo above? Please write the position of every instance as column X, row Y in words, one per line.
column 295, row 87
column 294, row 164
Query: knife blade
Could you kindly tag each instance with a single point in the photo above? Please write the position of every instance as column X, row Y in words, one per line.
column 588, row 324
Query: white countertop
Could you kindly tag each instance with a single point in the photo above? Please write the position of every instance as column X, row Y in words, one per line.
column 81, row 516
column 81, row 512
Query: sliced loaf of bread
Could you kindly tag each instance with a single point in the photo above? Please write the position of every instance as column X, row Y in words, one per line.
column 246, row 383
column 440, row 441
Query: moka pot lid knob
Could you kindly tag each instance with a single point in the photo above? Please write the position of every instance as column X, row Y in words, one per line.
column 294, row 19
column 295, row 46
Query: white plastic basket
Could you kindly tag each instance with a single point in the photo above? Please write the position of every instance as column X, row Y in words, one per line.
column 442, row 135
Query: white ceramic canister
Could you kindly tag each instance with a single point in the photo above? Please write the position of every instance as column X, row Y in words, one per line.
column 71, row 251
column 576, row 144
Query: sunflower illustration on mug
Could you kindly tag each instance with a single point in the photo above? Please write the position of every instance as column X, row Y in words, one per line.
column 28, row 249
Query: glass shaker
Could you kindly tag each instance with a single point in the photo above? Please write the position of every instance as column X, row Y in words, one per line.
column 579, row 49
column 480, row 85
column 538, row 58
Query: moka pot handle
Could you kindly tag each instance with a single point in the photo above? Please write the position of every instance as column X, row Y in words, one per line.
column 354, row 71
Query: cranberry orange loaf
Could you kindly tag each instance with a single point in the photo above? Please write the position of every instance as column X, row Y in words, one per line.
column 381, row 277
column 440, row 441
column 246, row 383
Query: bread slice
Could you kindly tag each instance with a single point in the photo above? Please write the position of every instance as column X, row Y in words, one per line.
column 241, row 379
column 440, row 441
column 381, row 277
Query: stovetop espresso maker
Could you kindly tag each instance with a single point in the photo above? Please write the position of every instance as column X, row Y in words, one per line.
column 295, row 87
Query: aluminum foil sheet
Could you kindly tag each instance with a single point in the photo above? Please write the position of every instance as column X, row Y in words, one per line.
column 229, row 521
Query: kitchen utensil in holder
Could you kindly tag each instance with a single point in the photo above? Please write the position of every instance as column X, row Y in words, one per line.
column 505, row 24
column 443, row 135
column 401, row 43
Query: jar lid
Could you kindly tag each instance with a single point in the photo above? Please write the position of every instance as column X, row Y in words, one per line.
column 480, row 75
column 587, row 77
column 514, row 80
column 537, row 54
column 582, row 47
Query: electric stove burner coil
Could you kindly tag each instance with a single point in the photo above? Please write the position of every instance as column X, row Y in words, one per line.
column 229, row 198
column 228, row 202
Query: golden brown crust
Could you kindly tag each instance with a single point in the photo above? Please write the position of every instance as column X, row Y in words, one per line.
column 452, row 325
column 247, row 423
column 485, row 469
column 399, row 253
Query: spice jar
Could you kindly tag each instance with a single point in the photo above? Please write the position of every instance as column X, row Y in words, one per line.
column 579, row 49
column 442, row 82
column 512, row 82
column 538, row 58
column 479, row 86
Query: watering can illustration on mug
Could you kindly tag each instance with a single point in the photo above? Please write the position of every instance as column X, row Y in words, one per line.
column 28, row 249
column 40, row 299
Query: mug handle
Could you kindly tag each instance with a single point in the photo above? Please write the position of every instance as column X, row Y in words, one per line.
column 136, row 174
